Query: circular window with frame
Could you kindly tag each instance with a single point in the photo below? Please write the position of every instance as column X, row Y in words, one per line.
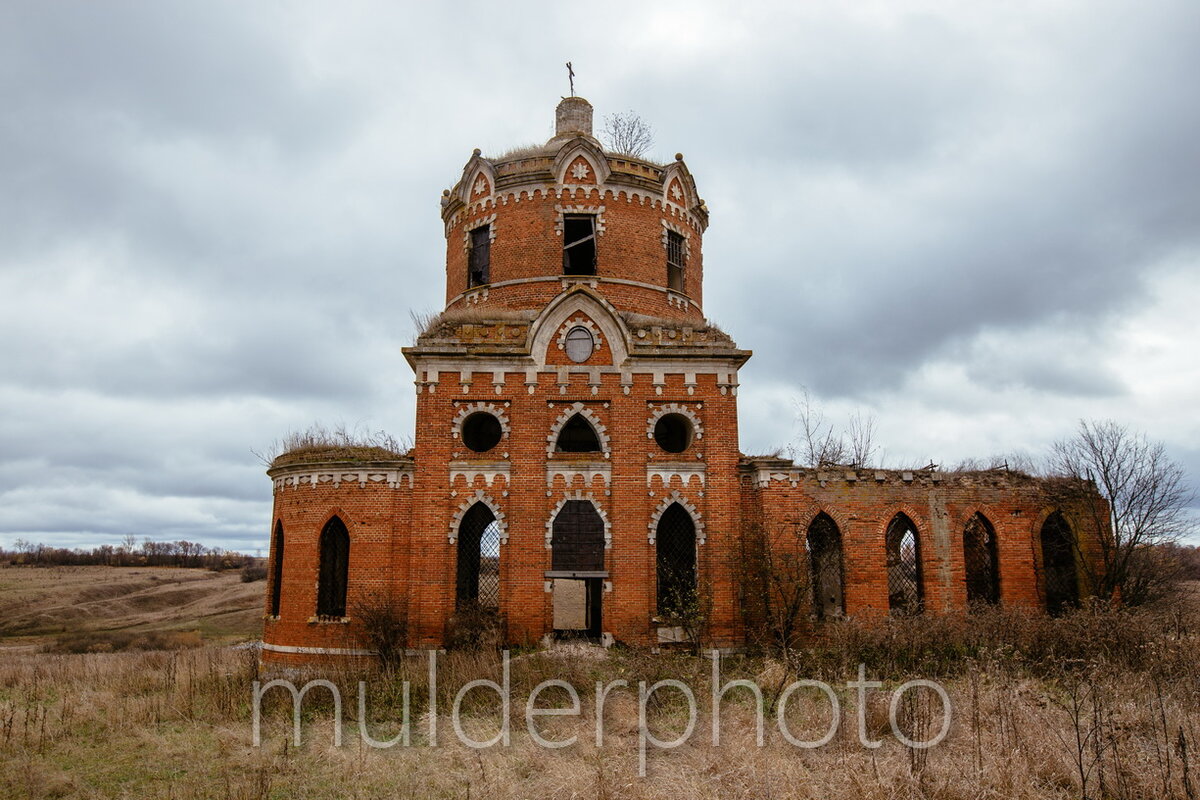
column 579, row 344
column 673, row 432
column 481, row 431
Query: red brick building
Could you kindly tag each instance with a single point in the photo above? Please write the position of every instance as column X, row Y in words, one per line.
column 576, row 465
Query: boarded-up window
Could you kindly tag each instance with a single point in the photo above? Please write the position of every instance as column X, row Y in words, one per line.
column 676, row 261
column 276, row 569
column 579, row 244
column 1061, row 584
column 675, row 550
column 982, row 565
column 334, row 569
column 824, row 542
column 577, row 436
column 577, row 538
column 480, row 257
column 906, row 591
column 478, row 582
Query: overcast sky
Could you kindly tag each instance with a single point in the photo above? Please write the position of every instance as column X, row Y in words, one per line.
column 977, row 222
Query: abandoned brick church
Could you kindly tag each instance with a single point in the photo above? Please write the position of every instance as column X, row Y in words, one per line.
column 576, row 468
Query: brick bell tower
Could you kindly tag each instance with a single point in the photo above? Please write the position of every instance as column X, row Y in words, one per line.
column 576, row 453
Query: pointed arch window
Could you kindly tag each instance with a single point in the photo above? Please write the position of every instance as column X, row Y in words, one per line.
column 981, row 562
column 906, row 589
column 276, row 569
column 478, row 573
column 675, row 553
column 334, row 569
column 577, row 436
column 824, row 543
column 1060, row 580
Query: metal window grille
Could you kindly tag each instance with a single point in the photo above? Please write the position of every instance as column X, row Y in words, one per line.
column 334, row 569
column 675, row 549
column 1058, row 564
column 676, row 260
column 824, row 543
column 905, row 590
column 577, row 538
column 277, row 570
column 478, row 573
column 480, row 256
column 979, row 557
column 577, row 436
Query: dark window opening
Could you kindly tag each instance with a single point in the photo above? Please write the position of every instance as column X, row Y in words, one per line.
column 577, row 538
column 577, row 436
column 1058, row 564
column 675, row 553
column 824, row 543
column 334, row 569
column 906, row 592
column 579, row 244
column 480, row 256
column 277, row 569
column 676, row 261
column 673, row 432
column 481, row 431
column 982, row 565
column 478, row 574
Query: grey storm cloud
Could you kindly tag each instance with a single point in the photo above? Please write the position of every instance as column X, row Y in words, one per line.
column 216, row 218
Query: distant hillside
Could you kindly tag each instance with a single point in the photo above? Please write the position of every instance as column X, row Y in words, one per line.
column 43, row 604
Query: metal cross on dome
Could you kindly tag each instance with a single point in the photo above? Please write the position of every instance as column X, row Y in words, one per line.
column 571, row 77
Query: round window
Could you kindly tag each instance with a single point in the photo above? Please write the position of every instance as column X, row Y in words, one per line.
column 673, row 432
column 579, row 344
column 481, row 431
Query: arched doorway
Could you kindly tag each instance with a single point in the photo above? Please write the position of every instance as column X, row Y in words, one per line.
column 577, row 569
column 1059, row 579
column 906, row 587
column 982, row 566
column 675, row 556
column 824, row 543
column 477, row 583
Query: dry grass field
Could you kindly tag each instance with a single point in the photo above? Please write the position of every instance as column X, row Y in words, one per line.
column 95, row 606
column 1101, row 704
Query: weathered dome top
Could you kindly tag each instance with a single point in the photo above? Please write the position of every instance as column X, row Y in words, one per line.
column 573, row 117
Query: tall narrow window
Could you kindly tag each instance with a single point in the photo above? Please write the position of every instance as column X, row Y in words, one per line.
column 276, row 568
column 577, row 436
column 824, row 543
column 1058, row 564
column 480, row 257
column 982, row 565
column 334, row 569
column 675, row 552
column 478, row 581
column 579, row 244
column 577, row 538
column 906, row 591
column 676, row 261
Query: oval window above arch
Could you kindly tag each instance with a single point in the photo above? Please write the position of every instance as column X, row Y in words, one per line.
column 579, row 344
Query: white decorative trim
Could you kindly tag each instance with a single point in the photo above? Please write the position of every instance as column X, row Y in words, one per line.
column 478, row 497
column 588, row 470
column 564, row 210
column 579, row 495
column 685, row 470
column 316, row 474
column 487, row 408
column 590, row 416
column 489, row 471
column 580, row 322
column 668, row 501
column 675, row 408
column 316, row 651
column 578, row 300
column 479, row 223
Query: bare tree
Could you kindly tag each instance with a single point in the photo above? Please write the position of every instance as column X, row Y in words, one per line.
column 628, row 134
column 1137, row 499
column 822, row 444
